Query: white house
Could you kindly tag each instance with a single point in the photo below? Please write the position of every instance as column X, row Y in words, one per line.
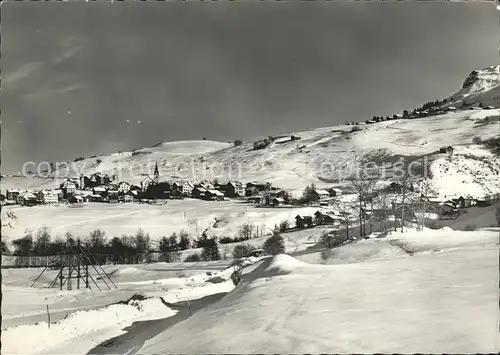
column 235, row 188
column 123, row 187
column 69, row 186
column 12, row 194
column 185, row 187
column 26, row 198
column 48, row 197
column 20, row 197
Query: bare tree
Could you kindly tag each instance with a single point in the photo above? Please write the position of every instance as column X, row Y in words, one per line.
column 246, row 231
column 383, row 202
column 363, row 186
column 426, row 188
column 345, row 211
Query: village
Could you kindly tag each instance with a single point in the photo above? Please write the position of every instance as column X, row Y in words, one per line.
column 101, row 188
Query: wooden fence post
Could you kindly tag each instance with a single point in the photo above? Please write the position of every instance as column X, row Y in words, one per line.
column 48, row 316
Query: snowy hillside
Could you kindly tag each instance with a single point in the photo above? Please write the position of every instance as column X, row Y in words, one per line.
column 439, row 302
column 321, row 155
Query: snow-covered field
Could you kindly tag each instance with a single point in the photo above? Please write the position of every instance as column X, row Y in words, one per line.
column 427, row 292
column 223, row 218
column 82, row 319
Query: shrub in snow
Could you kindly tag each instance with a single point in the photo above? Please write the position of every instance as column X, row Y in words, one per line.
column 193, row 258
column 477, row 140
column 284, row 226
column 327, row 240
column 326, row 254
column 242, row 251
column 274, row 245
column 238, row 142
column 236, row 277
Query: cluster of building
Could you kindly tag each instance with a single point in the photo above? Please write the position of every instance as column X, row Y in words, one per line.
column 100, row 187
column 421, row 114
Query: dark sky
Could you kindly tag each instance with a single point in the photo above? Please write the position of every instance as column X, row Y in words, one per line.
column 73, row 73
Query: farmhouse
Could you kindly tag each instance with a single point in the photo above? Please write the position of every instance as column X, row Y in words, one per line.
column 259, row 186
column 176, row 194
column 100, row 190
column 198, row 192
column 128, row 196
column 326, row 218
column 29, row 199
column 304, row 221
column 256, row 199
column 321, row 194
column 235, row 189
column 277, row 201
column 75, row 199
column 214, row 195
column 447, row 150
column 396, row 187
column 334, row 192
column 207, row 185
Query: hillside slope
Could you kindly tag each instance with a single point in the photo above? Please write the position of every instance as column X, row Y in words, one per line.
column 321, row 155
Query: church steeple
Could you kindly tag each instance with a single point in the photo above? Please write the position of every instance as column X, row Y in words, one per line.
column 156, row 173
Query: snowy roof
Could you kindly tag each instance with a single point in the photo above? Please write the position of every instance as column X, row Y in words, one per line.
column 303, row 217
column 216, row 192
column 322, row 192
column 279, row 199
column 235, row 183
column 100, row 188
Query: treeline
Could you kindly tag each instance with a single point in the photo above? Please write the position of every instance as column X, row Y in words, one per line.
column 133, row 249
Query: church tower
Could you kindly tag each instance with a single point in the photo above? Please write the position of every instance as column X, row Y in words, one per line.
column 156, row 174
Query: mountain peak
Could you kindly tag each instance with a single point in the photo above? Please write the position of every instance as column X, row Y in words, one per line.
column 482, row 80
